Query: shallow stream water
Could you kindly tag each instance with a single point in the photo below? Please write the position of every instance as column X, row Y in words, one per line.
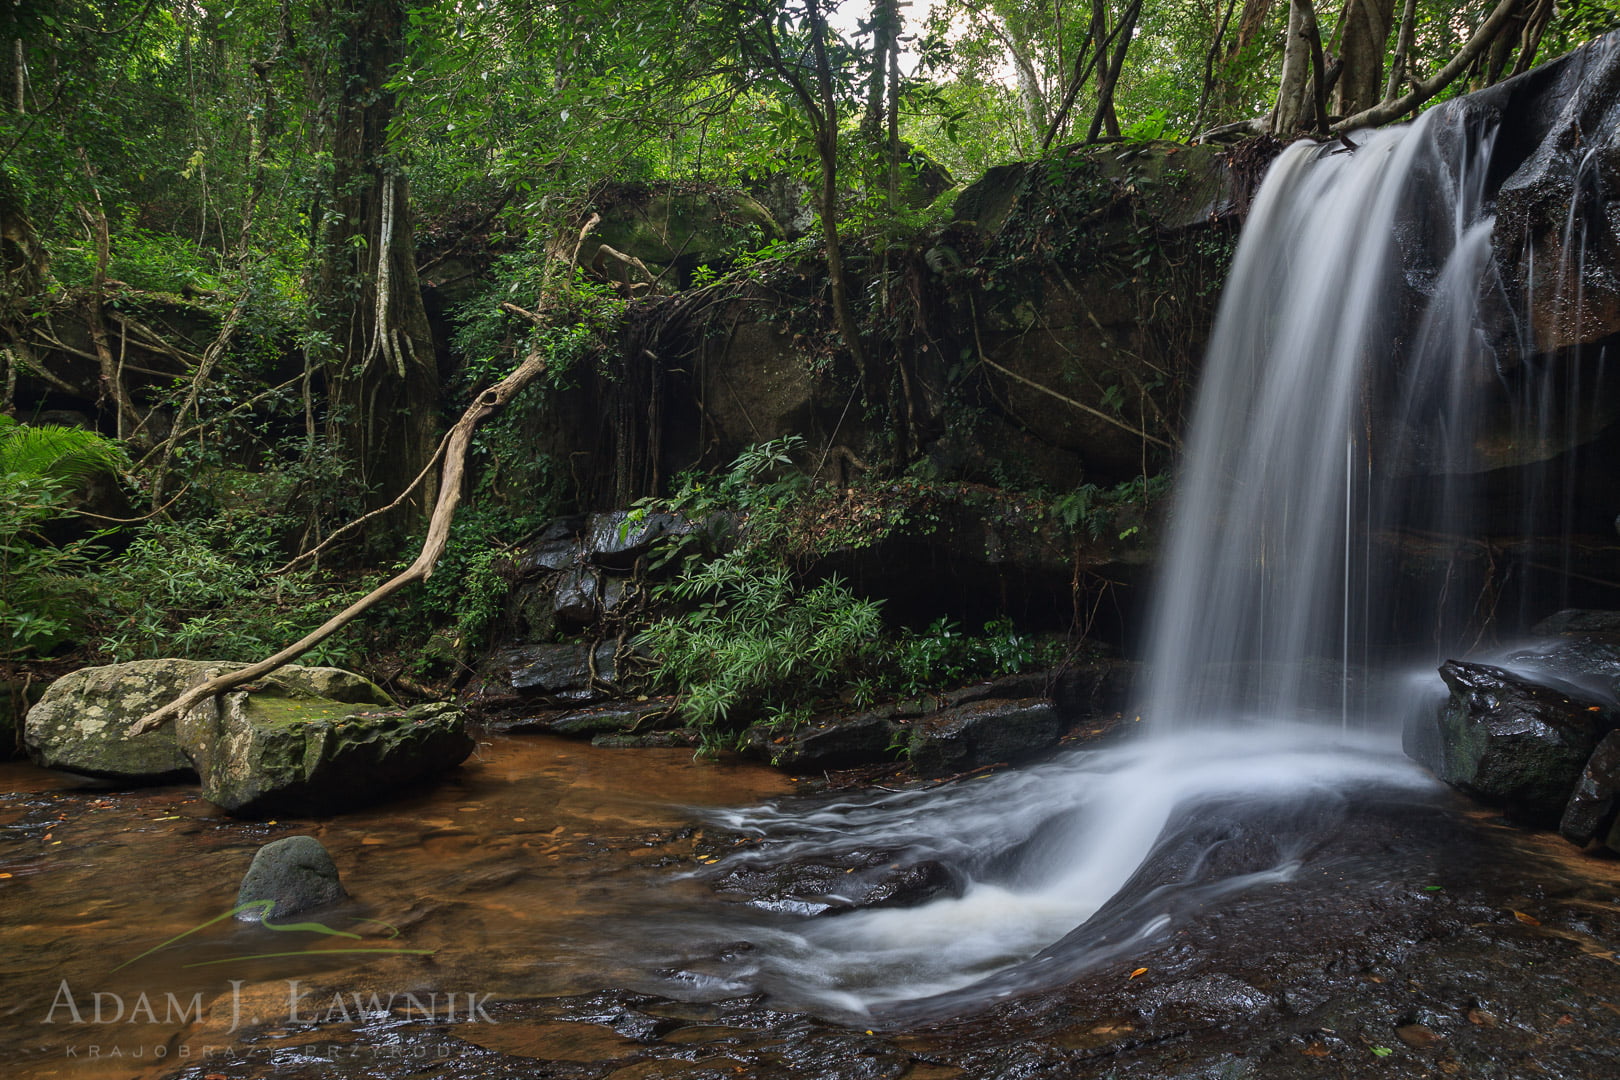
column 517, row 876
column 556, row 903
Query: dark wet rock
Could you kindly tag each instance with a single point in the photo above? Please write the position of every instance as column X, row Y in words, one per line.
column 564, row 673
column 983, row 733
column 909, row 886
column 79, row 724
column 850, row 881
column 614, row 592
column 294, row 874
column 1593, row 805
column 615, row 540
column 657, row 740
column 551, row 555
column 1211, row 997
column 556, row 548
column 837, row 742
column 614, row 718
column 1560, row 140
column 1588, row 661
column 840, row 1056
column 1507, row 740
column 1578, row 621
column 293, row 755
column 577, row 598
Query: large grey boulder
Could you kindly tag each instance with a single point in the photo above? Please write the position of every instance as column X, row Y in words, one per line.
column 79, row 724
column 288, row 876
column 301, row 740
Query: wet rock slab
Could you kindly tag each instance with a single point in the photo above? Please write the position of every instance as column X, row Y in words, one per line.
column 829, row 886
column 1508, row 740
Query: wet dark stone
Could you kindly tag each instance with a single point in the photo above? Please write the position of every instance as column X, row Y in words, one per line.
column 577, row 597
column 612, row 540
column 851, row 881
column 837, row 742
column 562, row 672
column 556, row 548
column 910, row 886
column 615, row 717
column 1507, row 740
column 983, row 733
column 1592, row 806
column 1578, row 621
column 1586, row 660
column 614, row 591
column 295, row 873
column 844, row 1057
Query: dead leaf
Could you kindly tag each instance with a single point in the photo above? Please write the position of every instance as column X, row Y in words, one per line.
column 1315, row 1049
column 1528, row 920
column 1481, row 1017
column 1418, row 1036
column 1138, row 972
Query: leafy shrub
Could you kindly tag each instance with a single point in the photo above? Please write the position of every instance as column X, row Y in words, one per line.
column 752, row 640
column 42, row 600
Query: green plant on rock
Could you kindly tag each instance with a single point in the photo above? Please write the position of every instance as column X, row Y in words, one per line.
column 755, row 644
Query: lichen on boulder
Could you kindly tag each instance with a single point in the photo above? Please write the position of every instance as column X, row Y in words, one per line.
column 302, row 740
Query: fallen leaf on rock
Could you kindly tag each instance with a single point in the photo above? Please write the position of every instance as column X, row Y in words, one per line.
column 1138, row 972
column 1418, row 1036
column 1315, row 1049
column 1528, row 920
column 1481, row 1017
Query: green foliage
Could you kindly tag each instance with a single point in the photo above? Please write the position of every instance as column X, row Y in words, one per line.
column 204, row 589
column 753, row 637
column 42, row 599
column 943, row 655
column 144, row 260
column 582, row 315
column 755, row 643
column 1090, row 510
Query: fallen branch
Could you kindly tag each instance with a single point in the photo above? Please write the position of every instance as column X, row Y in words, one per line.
column 456, row 445
column 363, row 518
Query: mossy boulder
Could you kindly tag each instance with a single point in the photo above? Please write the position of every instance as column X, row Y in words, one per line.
column 301, row 740
column 262, row 754
column 79, row 724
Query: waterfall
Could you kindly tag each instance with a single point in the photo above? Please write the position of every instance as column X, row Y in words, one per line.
column 1372, row 381
column 1355, row 265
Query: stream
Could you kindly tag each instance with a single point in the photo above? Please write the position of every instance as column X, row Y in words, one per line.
column 541, row 913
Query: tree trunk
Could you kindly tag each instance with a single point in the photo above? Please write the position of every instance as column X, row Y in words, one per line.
column 382, row 375
column 1295, row 110
column 1364, row 28
column 825, row 116
column 1104, row 120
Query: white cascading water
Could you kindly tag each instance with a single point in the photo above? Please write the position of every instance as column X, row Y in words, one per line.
column 1270, row 585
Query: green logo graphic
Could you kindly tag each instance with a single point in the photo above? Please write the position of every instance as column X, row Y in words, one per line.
column 263, row 909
